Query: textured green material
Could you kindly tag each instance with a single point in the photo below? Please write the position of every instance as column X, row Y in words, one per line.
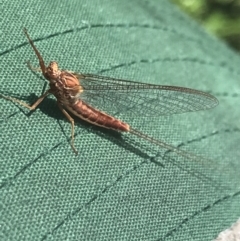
column 119, row 187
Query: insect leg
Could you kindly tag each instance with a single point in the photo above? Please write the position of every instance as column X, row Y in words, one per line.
column 41, row 62
column 34, row 69
column 30, row 107
column 71, row 120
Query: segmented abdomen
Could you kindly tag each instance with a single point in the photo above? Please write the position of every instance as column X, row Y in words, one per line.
column 96, row 117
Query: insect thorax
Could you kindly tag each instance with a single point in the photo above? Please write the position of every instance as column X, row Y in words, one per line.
column 65, row 87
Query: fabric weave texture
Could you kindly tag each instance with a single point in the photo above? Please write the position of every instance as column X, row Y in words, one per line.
column 119, row 187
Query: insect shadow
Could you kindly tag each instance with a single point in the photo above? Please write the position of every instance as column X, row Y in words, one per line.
column 49, row 107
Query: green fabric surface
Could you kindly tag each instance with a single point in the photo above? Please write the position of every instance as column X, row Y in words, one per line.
column 119, row 187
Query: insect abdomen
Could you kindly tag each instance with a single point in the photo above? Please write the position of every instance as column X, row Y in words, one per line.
column 96, row 117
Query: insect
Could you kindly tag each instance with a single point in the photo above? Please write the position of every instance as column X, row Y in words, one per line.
column 77, row 93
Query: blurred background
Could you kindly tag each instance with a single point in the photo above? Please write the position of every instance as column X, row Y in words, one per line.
column 220, row 17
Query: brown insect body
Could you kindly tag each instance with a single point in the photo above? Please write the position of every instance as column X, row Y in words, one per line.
column 66, row 87
column 96, row 117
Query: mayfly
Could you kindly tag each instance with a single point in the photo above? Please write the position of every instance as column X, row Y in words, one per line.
column 77, row 93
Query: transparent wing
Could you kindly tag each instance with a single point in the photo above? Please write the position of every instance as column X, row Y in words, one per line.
column 134, row 98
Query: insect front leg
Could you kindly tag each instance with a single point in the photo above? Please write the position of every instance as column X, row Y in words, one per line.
column 71, row 120
column 41, row 62
column 30, row 107
column 34, row 69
